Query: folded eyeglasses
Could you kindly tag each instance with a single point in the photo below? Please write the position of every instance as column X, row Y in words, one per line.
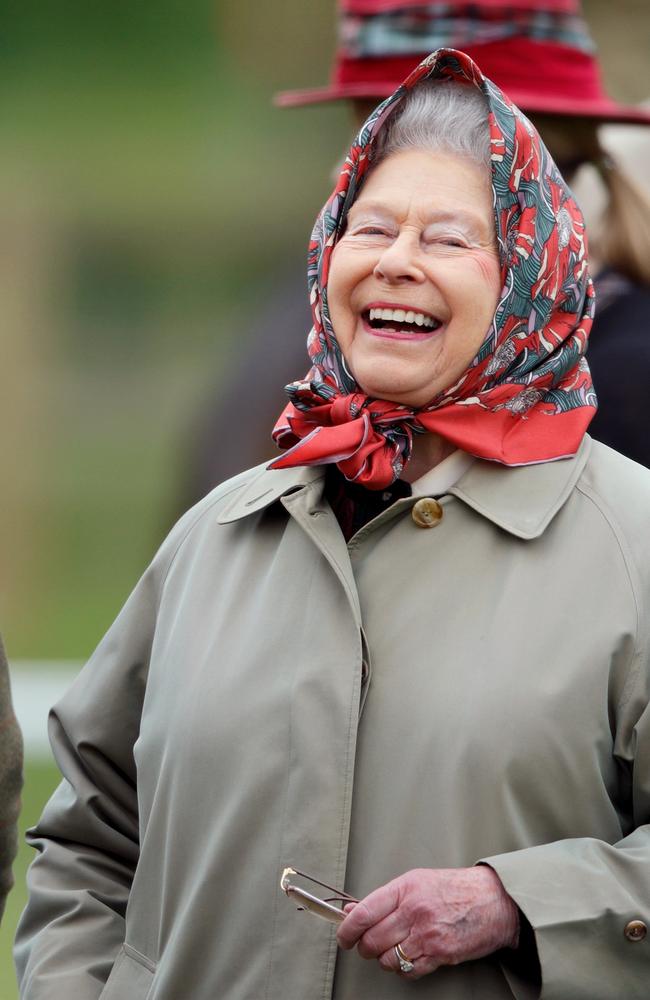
column 304, row 900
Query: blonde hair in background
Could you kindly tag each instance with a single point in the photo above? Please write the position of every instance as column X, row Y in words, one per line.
column 623, row 235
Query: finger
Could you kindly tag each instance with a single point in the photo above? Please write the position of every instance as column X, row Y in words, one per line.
column 383, row 935
column 388, row 960
column 366, row 914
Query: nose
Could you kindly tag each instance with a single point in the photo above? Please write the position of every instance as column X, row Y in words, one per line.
column 399, row 262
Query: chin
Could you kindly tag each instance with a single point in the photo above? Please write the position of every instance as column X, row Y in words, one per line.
column 382, row 384
column 394, row 394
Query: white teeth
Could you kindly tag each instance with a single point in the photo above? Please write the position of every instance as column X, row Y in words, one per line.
column 402, row 316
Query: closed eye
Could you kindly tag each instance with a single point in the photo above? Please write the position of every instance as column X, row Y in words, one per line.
column 370, row 231
column 448, row 241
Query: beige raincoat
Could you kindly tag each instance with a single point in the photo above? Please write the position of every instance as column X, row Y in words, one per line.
column 416, row 698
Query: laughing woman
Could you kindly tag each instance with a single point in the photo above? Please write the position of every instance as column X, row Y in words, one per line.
column 411, row 656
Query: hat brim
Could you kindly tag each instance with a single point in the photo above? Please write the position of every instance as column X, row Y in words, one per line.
column 602, row 109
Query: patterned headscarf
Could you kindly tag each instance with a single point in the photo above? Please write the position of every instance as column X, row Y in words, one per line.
column 527, row 396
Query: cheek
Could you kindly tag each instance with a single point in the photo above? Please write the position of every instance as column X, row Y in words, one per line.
column 337, row 279
column 338, row 300
column 488, row 273
column 344, row 275
column 479, row 289
column 474, row 280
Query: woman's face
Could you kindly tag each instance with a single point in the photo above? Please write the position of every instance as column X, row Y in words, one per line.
column 415, row 279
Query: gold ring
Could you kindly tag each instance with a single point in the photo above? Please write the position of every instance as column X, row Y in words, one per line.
column 405, row 963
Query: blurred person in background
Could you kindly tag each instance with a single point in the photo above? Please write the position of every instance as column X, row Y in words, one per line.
column 619, row 253
column 398, row 665
column 541, row 54
column 11, row 780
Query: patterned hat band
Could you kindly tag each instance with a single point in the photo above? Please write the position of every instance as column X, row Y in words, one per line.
column 413, row 30
column 386, row 6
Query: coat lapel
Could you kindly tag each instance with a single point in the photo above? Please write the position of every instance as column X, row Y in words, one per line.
column 300, row 491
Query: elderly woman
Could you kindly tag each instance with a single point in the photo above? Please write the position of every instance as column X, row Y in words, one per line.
column 410, row 657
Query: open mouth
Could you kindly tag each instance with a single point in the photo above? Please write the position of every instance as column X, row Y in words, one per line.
column 408, row 322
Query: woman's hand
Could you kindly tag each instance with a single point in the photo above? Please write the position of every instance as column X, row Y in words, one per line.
column 437, row 916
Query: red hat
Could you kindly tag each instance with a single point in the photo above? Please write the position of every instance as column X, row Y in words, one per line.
column 539, row 52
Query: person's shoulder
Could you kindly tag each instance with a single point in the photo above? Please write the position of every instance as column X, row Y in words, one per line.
column 204, row 514
column 616, row 476
column 620, row 488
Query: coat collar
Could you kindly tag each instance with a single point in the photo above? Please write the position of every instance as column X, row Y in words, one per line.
column 522, row 500
column 266, row 486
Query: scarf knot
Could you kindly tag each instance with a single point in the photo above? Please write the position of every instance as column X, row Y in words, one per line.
column 367, row 438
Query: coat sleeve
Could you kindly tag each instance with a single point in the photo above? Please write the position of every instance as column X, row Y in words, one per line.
column 88, row 835
column 588, row 901
column 11, row 780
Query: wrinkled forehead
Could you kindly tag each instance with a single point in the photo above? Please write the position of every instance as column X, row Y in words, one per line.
column 429, row 189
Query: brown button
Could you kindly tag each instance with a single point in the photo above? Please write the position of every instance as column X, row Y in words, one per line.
column 426, row 512
column 635, row 930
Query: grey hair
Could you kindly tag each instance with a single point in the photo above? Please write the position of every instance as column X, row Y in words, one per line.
column 440, row 116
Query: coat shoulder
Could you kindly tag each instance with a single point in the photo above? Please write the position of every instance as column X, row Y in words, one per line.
column 204, row 513
column 620, row 488
column 223, row 492
column 622, row 484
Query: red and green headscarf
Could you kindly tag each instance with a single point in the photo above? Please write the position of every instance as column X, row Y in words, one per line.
column 527, row 396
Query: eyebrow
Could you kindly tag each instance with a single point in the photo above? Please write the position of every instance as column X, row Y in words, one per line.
column 377, row 208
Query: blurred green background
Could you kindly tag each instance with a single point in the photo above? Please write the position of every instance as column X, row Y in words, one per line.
column 149, row 189
column 148, row 192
